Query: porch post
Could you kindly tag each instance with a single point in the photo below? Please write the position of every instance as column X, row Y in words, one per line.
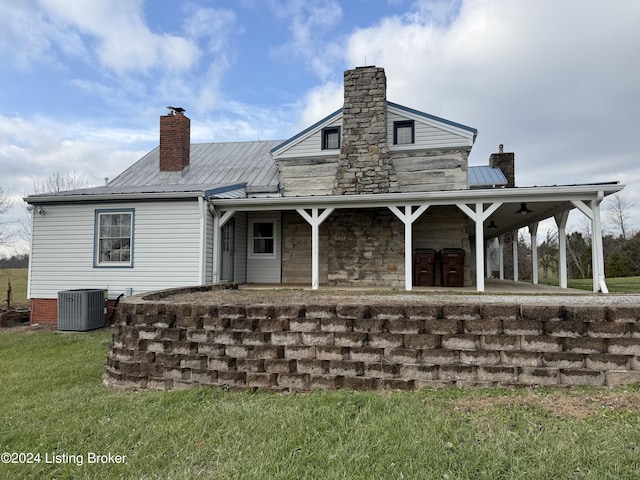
column 408, row 217
column 479, row 216
column 598, row 244
column 487, row 260
column 597, row 254
column 479, row 249
column 315, row 219
column 217, row 248
column 561, row 222
column 533, row 231
column 501, row 254
column 514, row 243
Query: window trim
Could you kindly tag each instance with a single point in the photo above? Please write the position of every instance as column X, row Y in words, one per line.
column 252, row 253
column 96, row 238
column 404, row 124
column 329, row 130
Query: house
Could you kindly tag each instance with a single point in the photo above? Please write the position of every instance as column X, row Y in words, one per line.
column 351, row 200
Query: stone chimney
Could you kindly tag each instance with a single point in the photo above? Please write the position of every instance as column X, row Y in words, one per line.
column 175, row 141
column 506, row 163
column 365, row 164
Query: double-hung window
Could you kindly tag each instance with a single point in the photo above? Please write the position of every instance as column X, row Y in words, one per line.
column 403, row 132
column 114, row 238
column 331, row 138
column 263, row 238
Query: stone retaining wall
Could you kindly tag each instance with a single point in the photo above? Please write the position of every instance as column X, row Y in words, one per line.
column 166, row 345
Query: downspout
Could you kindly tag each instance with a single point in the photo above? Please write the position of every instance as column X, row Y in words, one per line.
column 30, row 258
column 203, row 241
column 216, row 244
column 597, row 222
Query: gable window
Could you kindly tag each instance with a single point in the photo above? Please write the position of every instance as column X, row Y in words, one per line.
column 114, row 238
column 330, row 138
column 263, row 238
column 403, row 132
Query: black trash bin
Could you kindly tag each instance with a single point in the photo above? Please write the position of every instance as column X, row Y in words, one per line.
column 424, row 267
column 452, row 262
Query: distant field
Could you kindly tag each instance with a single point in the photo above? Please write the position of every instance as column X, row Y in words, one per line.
column 18, row 278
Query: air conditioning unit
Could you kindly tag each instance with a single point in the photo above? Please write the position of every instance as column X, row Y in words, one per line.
column 81, row 310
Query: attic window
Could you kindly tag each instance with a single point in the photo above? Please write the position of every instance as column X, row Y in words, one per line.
column 331, row 138
column 403, row 132
column 114, row 238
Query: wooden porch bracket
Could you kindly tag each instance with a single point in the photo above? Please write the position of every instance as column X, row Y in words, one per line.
column 315, row 219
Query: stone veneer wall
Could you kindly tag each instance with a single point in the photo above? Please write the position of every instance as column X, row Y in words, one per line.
column 158, row 344
column 367, row 247
column 365, row 164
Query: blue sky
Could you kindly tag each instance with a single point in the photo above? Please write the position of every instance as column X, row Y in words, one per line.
column 83, row 82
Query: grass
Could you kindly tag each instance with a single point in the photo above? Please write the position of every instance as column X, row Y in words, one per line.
column 18, row 278
column 615, row 285
column 53, row 402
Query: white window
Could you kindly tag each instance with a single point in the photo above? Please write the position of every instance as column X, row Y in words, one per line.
column 263, row 238
column 114, row 238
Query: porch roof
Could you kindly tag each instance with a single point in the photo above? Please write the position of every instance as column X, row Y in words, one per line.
column 542, row 202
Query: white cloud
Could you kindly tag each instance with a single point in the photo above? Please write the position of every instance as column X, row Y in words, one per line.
column 554, row 81
column 27, row 37
column 124, row 43
column 310, row 25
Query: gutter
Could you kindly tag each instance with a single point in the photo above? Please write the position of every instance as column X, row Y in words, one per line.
column 519, row 194
column 113, row 197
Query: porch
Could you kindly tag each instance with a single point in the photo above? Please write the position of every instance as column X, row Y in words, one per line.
column 490, row 213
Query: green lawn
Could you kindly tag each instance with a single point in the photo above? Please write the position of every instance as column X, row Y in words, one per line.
column 53, row 403
column 18, row 278
column 615, row 285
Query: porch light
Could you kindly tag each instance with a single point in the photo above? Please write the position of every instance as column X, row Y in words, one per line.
column 523, row 209
column 492, row 224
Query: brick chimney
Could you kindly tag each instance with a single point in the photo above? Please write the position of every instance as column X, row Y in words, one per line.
column 175, row 141
column 365, row 164
column 506, row 163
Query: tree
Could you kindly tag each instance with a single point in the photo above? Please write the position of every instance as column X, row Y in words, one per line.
column 56, row 182
column 620, row 212
column 5, row 205
column 524, row 257
column 548, row 253
column 579, row 259
column 630, row 254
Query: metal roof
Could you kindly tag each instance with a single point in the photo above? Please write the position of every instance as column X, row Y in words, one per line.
column 212, row 164
column 338, row 112
column 482, row 177
column 434, row 118
column 215, row 169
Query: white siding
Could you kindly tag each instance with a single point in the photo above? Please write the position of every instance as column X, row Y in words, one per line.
column 241, row 247
column 311, row 145
column 427, row 135
column 264, row 269
column 166, row 249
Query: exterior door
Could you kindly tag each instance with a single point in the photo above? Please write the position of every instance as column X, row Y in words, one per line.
column 228, row 251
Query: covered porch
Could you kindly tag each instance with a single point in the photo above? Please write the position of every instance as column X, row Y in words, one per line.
column 491, row 213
